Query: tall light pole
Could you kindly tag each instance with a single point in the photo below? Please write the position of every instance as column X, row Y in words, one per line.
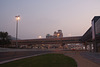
column 17, row 19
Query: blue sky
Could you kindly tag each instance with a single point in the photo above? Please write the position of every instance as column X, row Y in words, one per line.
column 40, row 17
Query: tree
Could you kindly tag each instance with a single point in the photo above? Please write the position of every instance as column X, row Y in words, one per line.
column 5, row 39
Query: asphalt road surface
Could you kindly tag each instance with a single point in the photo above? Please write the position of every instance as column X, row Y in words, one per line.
column 17, row 54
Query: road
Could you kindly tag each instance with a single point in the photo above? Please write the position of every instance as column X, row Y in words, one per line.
column 14, row 54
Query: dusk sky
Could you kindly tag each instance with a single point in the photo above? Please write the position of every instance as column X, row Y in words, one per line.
column 41, row 17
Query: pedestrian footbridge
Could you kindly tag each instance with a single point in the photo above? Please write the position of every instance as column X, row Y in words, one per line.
column 64, row 40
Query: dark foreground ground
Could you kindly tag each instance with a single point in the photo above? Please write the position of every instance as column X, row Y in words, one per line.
column 83, row 58
column 17, row 54
column 46, row 60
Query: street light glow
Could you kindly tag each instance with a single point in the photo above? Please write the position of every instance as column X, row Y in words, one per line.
column 40, row 36
column 58, row 35
column 17, row 17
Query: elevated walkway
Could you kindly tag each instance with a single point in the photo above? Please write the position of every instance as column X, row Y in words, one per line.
column 64, row 40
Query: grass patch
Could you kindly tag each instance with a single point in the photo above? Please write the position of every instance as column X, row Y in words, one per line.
column 47, row 60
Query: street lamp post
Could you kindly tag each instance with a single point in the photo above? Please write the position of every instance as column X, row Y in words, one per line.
column 17, row 19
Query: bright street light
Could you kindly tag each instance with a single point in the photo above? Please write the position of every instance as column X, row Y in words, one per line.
column 17, row 19
column 40, row 36
column 58, row 35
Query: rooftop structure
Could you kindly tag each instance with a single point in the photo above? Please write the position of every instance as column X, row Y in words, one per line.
column 58, row 34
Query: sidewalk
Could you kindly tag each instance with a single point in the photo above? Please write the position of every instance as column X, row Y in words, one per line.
column 81, row 61
column 95, row 57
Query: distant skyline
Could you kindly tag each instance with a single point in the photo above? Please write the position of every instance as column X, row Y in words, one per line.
column 41, row 17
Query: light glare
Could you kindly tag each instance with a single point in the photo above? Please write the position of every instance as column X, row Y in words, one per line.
column 40, row 36
column 17, row 17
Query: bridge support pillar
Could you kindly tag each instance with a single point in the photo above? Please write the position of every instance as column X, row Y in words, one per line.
column 62, row 44
column 95, row 48
column 85, row 46
column 90, row 47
